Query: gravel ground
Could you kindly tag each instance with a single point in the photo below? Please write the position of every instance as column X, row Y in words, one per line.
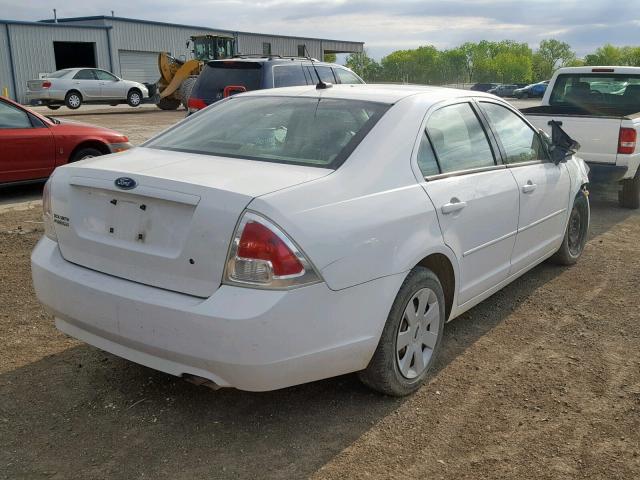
column 541, row 381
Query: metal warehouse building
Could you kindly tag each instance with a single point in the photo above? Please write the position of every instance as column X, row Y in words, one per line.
column 125, row 46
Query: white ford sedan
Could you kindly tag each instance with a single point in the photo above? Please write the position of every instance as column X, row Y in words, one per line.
column 284, row 236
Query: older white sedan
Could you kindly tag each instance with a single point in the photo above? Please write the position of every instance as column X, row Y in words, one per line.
column 74, row 86
column 284, row 236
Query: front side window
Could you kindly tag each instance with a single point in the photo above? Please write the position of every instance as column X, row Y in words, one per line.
column 520, row 142
column 288, row 76
column 102, row 75
column 459, row 139
column 303, row 131
column 345, row 76
column 12, row 117
column 85, row 75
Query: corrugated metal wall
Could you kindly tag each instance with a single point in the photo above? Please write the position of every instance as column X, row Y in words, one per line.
column 32, row 44
column 33, row 49
column 5, row 63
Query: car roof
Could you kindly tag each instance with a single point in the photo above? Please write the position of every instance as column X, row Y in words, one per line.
column 382, row 93
column 275, row 60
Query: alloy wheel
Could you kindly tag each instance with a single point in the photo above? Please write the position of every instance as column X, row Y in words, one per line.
column 418, row 333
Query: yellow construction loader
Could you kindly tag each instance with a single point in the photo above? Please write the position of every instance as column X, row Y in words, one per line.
column 177, row 76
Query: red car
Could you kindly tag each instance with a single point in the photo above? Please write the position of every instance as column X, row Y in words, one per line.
column 32, row 145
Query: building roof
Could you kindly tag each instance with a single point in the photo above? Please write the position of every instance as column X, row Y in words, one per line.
column 68, row 20
column 52, row 24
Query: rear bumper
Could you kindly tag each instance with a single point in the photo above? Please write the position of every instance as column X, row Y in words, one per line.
column 245, row 338
column 43, row 97
column 603, row 173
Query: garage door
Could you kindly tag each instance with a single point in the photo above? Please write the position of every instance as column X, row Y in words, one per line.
column 139, row 66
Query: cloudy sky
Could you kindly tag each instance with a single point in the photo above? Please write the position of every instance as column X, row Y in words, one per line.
column 383, row 25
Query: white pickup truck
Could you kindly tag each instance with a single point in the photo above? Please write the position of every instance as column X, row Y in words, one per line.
column 600, row 108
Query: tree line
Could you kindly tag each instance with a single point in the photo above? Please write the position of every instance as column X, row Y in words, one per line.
column 506, row 61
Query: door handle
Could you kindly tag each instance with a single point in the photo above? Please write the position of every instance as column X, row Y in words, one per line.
column 454, row 205
column 529, row 187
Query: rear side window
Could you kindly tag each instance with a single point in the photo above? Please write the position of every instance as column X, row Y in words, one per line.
column 85, row 75
column 426, row 159
column 520, row 142
column 303, row 131
column 345, row 76
column 326, row 74
column 218, row 75
column 288, row 76
column 12, row 117
column 459, row 140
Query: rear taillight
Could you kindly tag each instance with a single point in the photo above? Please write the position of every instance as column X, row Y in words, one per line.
column 46, row 84
column 195, row 104
column 627, row 140
column 233, row 89
column 262, row 255
column 47, row 214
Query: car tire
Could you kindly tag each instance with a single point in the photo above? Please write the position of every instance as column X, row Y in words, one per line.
column 53, row 107
column 185, row 90
column 630, row 194
column 73, row 100
column 575, row 236
column 525, row 95
column 134, row 97
column 399, row 370
column 85, row 153
column 168, row 104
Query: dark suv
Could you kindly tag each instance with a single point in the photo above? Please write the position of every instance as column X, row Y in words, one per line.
column 221, row 78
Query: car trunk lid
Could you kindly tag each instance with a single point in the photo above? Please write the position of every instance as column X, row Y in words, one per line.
column 172, row 229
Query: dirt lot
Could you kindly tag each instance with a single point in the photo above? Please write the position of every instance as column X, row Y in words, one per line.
column 541, row 381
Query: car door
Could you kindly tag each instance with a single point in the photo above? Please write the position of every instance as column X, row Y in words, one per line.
column 86, row 82
column 26, row 146
column 544, row 187
column 111, row 87
column 475, row 196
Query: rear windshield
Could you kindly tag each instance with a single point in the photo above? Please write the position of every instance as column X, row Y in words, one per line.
column 596, row 90
column 302, row 131
column 58, row 74
column 218, row 75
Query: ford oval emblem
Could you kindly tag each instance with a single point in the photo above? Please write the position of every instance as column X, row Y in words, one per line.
column 126, row 183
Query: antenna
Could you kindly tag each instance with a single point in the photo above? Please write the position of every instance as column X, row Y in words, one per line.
column 321, row 85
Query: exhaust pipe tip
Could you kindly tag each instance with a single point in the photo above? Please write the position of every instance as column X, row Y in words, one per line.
column 201, row 381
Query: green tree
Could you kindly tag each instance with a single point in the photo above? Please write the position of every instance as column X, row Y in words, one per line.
column 330, row 57
column 605, row 55
column 551, row 55
column 365, row 66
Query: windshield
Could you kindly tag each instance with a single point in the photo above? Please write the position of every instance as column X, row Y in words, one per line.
column 58, row 74
column 303, row 131
column 596, row 90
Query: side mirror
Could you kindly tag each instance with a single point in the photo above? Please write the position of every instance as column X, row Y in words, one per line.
column 560, row 146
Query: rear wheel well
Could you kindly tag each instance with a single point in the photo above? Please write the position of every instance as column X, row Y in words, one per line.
column 441, row 266
column 100, row 146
